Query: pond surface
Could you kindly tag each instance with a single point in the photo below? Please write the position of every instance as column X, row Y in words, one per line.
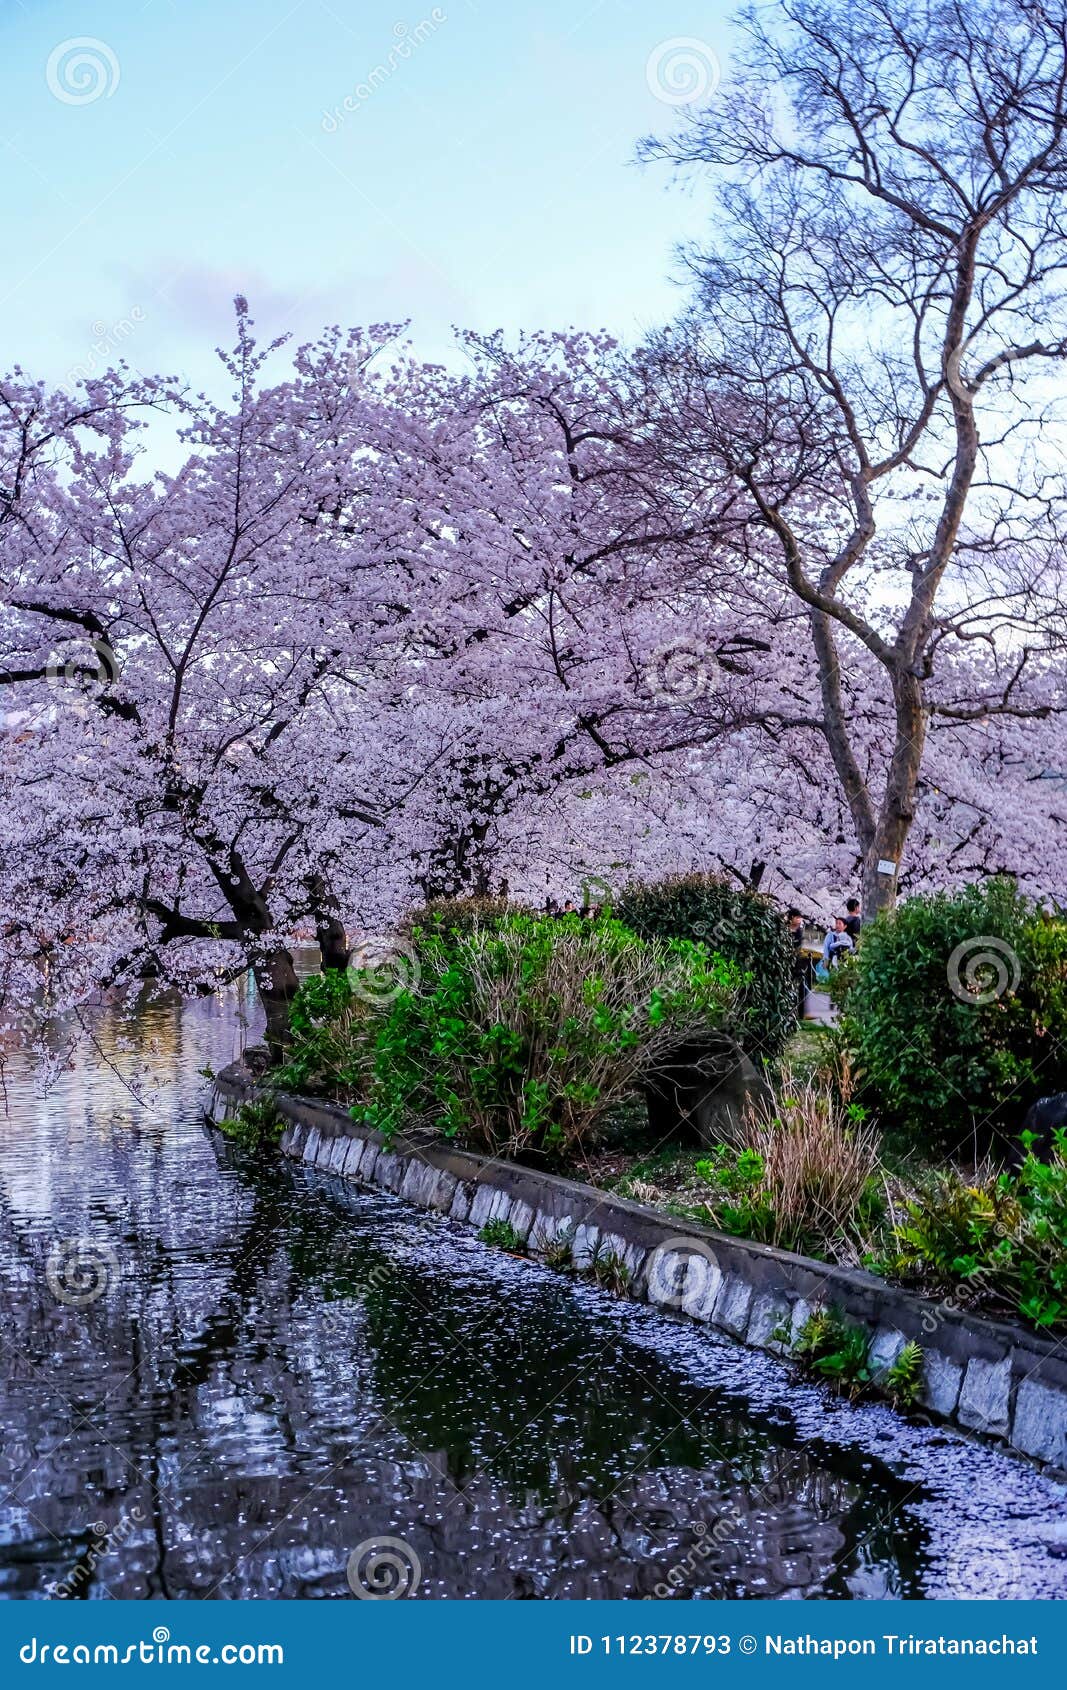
column 227, row 1376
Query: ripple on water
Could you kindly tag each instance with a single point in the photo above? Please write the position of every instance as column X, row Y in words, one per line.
column 280, row 1370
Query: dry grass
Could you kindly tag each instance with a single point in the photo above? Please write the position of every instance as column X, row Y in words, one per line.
column 818, row 1165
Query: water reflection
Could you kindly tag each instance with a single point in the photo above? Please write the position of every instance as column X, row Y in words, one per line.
column 283, row 1369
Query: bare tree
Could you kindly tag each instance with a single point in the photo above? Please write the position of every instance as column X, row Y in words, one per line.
column 878, row 316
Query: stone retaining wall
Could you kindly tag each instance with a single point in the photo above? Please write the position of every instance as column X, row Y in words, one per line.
column 987, row 1376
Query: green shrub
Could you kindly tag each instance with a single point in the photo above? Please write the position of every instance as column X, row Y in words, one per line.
column 503, row 1235
column 256, row 1125
column 956, row 1008
column 515, row 1037
column 735, row 923
column 325, row 1055
column 458, row 915
column 836, row 1349
column 1002, row 1240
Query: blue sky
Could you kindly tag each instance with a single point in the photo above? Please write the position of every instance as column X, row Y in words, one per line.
column 197, row 148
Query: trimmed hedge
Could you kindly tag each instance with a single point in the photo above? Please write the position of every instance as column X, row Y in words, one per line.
column 956, row 1008
column 738, row 924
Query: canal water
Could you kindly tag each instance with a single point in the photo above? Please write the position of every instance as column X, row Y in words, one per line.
column 227, row 1376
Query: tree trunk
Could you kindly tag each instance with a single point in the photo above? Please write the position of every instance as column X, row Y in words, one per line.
column 334, row 950
column 276, row 982
column 881, row 859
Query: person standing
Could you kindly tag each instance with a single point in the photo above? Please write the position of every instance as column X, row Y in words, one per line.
column 801, row 964
column 853, row 918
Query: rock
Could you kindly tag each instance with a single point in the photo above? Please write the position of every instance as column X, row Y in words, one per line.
column 732, row 1308
column 886, row 1346
column 368, row 1161
column 942, row 1379
column 704, row 1089
column 666, row 1277
column 461, row 1202
column 521, row 1219
column 703, row 1282
column 420, row 1183
column 985, row 1396
column 353, row 1157
column 291, row 1140
column 389, row 1171
column 769, row 1315
column 798, row 1320
column 1040, row 1426
column 1043, row 1115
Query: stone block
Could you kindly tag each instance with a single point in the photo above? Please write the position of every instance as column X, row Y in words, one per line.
column 389, row 1171
column 665, row 1277
column 586, row 1239
column 481, row 1208
column 733, row 1307
column 798, row 1319
column 1040, row 1425
column 770, row 1315
column 521, row 1218
column 886, row 1346
column 985, row 1396
column 460, row 1207
column 444, row 1190
column 703, row 1282
column 942, row 1378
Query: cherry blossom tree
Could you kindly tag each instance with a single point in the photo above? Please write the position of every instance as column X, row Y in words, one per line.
column 195, row 658
column 871, row 360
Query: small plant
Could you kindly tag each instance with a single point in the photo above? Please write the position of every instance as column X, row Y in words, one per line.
column 738, row 1205
column 836, row 1349
column 256, row 1126
column 503, row 1235
column 902, row 1382
column 1002, row 1238
column 611, row 1272
column 556, row 1249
